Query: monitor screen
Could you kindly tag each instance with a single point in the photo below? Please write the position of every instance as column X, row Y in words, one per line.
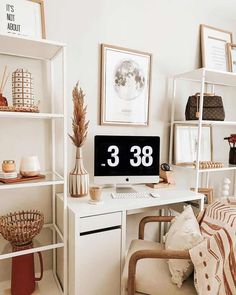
column 126, row 159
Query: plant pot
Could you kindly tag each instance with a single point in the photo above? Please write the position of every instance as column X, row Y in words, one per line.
column 232, row 156
column 79, row 177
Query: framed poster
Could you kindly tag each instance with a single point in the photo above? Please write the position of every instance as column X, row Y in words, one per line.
column 232, row 57
column 22, row 17
column 214, row 48
column 125, row 86
column 186, row 144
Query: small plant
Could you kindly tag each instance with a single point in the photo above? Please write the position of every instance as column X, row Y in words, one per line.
column 79, row 124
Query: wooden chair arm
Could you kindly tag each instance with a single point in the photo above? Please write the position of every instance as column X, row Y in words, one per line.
column 142, row 254
column 148, row 219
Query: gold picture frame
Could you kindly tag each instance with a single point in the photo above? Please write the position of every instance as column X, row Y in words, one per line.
column 185, row 144
column 214, row 47
column 125, row 86
column 231, row 48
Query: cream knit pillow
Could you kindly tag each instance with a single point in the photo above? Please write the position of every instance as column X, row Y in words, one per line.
column 184, row 234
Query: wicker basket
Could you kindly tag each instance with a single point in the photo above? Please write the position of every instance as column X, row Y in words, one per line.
column 19, row 228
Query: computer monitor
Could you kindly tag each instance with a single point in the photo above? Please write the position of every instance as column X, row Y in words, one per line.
column 126, row 159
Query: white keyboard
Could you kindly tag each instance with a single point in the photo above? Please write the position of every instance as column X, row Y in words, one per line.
column 136, row 195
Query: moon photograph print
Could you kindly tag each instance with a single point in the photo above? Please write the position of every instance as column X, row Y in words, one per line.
column 125, row 86
column 129, row 80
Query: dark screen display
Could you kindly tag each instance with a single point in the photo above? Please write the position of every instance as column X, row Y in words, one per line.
column 126, row 155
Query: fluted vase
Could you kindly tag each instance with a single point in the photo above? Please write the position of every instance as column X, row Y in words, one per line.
column 79, row 177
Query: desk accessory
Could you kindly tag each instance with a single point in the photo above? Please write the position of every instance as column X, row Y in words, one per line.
column 95, row 193
column 79, row 177
column 8, row 166
column 29, row 166
column 19, row 228
column 166, row 177
column 209, row 164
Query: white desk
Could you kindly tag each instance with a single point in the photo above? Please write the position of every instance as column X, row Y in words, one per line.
column 97, row 237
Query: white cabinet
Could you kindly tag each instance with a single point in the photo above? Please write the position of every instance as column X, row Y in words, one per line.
column 95, row 254
column 205, row 78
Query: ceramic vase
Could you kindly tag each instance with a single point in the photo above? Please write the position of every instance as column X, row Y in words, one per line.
column 23, row 89
column 79, row 177
column 232, row 156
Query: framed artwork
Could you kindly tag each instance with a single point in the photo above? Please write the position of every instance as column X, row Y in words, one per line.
column 22, row 17
column 208, row 192
column 232, row 57
column 186, row 144
column 125, row 86
column 214, row 48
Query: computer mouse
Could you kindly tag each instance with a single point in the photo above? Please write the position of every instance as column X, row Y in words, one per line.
column 155, row 195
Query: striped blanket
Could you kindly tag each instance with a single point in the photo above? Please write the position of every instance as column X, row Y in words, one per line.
column 215, row 258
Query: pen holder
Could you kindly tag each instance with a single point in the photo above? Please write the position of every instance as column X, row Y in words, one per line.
column 232, row 155
column 167, row 176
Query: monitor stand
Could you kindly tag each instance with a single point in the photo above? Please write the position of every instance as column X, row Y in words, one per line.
column 122, row 188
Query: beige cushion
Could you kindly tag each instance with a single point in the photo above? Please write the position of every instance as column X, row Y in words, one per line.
column 153, row 276
column 183, row 234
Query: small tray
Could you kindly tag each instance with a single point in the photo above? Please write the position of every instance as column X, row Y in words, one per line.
column 21, row 178
column 19, row 109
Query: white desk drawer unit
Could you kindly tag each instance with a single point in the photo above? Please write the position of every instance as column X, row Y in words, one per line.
column 95, row 255
column 102, row 221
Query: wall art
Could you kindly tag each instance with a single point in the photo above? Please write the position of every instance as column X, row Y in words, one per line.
column 214, row 48
column 125, row 86
column 22, row 17
column 186, row 144
column 232, row 57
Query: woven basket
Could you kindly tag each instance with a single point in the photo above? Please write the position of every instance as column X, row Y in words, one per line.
column 19, row 228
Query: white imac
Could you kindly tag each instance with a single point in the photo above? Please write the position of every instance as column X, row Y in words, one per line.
column 126, row 160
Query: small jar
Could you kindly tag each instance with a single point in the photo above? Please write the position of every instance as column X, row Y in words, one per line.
column 8, row 166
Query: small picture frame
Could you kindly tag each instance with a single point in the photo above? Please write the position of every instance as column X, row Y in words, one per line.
column 208, row 192
column 125, row 86
column 214, row 48
column 232, row 57
column 22, row 18
column 186, row 144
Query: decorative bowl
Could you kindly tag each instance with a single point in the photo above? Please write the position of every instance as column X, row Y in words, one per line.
column 19, row 228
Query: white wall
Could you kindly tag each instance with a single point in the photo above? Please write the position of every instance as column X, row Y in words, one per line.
column 169, row 29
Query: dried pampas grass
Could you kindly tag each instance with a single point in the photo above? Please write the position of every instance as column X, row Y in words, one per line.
column 79, row 124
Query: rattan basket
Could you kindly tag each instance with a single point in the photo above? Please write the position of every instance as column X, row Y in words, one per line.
column 19, row 228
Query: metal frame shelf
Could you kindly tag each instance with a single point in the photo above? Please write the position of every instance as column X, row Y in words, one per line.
column 203, row 76
column 50, row 52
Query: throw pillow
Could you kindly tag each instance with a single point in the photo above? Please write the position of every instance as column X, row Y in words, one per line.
column 184, row 234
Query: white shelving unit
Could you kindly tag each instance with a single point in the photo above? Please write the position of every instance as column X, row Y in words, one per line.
column 49, row 52
column 204, row 77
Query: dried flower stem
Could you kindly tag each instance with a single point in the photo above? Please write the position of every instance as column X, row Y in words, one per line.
column 79, row 124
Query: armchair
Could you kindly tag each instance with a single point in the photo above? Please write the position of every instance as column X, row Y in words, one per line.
column 146, row 270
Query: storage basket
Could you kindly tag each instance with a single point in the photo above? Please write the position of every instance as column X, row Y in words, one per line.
column 19, row 228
